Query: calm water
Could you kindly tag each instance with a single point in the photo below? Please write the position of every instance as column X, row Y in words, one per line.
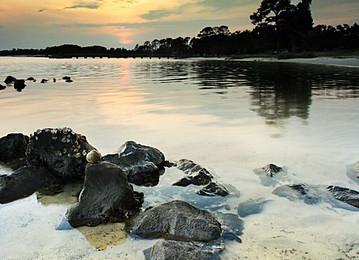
column 230, row 117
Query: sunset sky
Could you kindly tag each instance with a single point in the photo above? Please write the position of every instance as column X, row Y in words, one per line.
column 123, row 23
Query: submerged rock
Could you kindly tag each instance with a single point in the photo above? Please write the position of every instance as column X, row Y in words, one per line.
column 13, row 147
column 142, row 164
column 177, row 220
column 196, row 175
column 345, row 195
column 105, row 197
column 251, row 207
column 9, row 80
column 176, row 250
column 60, row 150
column 309, row 194
column 23, row 182
column 19, row 84
column 214, row 189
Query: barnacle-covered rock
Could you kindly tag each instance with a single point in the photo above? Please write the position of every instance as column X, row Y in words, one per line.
column 60, row 150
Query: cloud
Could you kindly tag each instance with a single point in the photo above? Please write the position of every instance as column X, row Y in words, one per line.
column 155, row 14
column 85, row 4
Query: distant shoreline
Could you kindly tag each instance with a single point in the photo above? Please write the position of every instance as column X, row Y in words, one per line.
column 333, row 58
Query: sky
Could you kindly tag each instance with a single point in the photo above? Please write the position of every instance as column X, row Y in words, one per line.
column 123, row 23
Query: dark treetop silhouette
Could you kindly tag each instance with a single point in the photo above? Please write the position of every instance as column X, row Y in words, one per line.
column 280, row 26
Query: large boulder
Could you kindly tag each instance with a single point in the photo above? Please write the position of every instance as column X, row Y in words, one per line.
column 61, row 151
column 176, row 250
column 105, row 197
column 23, row 182
column 195, row 174
column 13, row 147
column 142, row 164
column 345, row 195
column 177, row 220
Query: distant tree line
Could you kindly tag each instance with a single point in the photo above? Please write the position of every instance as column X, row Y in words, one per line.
column 280, row 26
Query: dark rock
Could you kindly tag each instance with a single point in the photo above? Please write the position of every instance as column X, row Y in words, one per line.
column 43, row 81
column 308, row 194
column 2, row 87
column 69, row 80
column 31, row 79
column 251, row 207
column 54, row 80
column 13, row 147
column 196, row 175
column 19, row 85
column 176, row 250
column 60, row 150
column 23, row 182
column 9, row 80
column 177, row 220
column 214, row 189
column 345, row 195
column 271, row 170
column 105, row 197
column 66, row 78
column 142, row 164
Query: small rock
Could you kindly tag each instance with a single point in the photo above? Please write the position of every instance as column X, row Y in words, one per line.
column 43, row 81
column 2, row 87
column 54, row 80
column 175, row 250
column 105, row 197
column 9, row 80
column 271, row 170
column 66, row 78
column 177, row 220
column 214, row 189
column 345, row 195
column 31, row 79
column 19, row 84
column 196, row 175
column 93, row 156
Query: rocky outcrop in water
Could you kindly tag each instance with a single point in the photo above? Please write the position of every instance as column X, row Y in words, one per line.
column 105, row 197
column 142, row 164
column 177, row 220
column 345, row 195
column 9, row 80
column 170, row 250
column 311, row 194
column 196, row 174
column 2, row 87
column 12, row 149
column 60, row 150
column 23, row 182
